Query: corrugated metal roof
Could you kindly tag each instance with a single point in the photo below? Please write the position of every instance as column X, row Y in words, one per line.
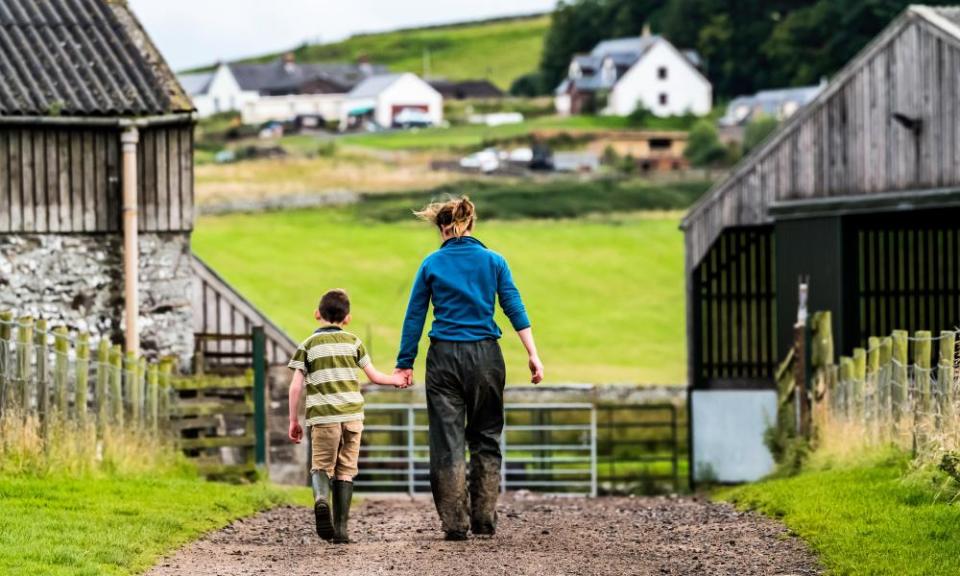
column 81, row 58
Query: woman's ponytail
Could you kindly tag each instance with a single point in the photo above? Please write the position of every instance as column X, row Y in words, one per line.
column 456, row 216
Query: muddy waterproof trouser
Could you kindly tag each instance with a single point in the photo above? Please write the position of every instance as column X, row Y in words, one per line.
column 465, row 383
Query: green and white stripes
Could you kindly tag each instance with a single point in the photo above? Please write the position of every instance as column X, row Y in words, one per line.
column 329, row 359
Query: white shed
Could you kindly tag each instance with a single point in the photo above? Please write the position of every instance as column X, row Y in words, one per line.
column 384, row 97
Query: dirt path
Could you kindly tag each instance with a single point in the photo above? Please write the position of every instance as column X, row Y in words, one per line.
column 537, row 536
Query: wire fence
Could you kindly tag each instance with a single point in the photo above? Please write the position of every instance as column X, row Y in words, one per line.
column 54, row 376
column 901, row 389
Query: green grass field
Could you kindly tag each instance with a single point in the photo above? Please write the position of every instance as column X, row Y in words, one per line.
column 65, row 525
column 605, row 293
column 473, row 136
column 871, row 517
column 509, row 48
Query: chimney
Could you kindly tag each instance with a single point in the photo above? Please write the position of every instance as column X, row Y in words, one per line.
column 289, row 62
column 363, row 63
column 646, row 31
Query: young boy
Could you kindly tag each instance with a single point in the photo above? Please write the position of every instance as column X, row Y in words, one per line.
column 327, row 361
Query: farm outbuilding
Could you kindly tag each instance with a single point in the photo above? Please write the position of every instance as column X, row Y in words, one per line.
column 859, row 191
column 96, row 184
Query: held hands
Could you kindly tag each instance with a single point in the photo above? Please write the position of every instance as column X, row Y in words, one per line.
column 404, row 377
column 536, row 369
column 295, row 432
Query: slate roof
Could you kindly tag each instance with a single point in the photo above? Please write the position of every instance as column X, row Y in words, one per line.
column 374, row 85
column 768, row 102
column 81, row 58
column 195, row 83
column 280, row 77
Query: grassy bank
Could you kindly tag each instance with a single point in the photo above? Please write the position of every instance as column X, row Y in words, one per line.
column 62, row 524
column 605, row 293
column 874, row 516
column 510, row 48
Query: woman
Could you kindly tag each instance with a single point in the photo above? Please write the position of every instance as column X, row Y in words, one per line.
column 465, row 370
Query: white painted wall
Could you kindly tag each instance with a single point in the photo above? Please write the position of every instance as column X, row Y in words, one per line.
column 223, row 94
column 408, row 90
column 728, row 429
column 685, row 87
column 284, row 108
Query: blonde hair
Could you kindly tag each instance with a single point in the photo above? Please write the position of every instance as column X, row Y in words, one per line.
column 455, row 216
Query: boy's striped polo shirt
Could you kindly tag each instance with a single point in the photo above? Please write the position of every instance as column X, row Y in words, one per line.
column 329, row 358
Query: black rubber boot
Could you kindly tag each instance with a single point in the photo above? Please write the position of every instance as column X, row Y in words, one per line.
column 342, row 495
column 321, row 504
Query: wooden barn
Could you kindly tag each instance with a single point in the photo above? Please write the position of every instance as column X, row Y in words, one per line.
column 860, row 192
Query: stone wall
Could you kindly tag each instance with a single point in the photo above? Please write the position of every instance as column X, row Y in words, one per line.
column 77, row 280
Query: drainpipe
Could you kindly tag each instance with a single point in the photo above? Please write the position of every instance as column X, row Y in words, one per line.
column 131, row 250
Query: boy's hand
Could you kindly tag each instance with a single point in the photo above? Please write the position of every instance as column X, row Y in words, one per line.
column 295, row 432
column 406, row 376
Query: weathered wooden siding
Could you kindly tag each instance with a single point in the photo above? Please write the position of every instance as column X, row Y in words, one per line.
column 68, row 179
column 847, row 142
column 218, row 309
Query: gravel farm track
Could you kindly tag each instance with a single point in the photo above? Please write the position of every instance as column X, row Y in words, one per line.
column 537, row 536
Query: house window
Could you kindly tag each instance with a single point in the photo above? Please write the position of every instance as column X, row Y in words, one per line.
column 663, row 98
column 660, row 143
column 662, row 72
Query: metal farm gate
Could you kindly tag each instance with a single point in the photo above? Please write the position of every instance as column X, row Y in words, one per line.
column 563, row 448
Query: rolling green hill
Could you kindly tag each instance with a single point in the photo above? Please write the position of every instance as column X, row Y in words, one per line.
column 499, row 50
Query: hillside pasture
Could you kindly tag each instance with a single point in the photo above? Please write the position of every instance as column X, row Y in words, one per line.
column 605, row 292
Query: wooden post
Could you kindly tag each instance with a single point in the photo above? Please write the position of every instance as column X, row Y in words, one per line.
column 61, row 368
column 116, row 385
column 153, row 397
column 166, row 370
column 872, row 411
column 24, row 363
column 885, row 377
column 859, row 381
column 6, row 331
column 131, row 385
column 41, row 349
column 83, row 376
column 945, row 374
column 821, row 354
column 922, row 348
column 100, row 400
column 141, row 389
column 898, row 391
column 846, row 385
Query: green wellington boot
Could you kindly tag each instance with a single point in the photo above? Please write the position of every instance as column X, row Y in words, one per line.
column 342, row 495
column 321, row 504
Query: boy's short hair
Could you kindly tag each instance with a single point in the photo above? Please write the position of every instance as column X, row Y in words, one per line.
column 334, row 306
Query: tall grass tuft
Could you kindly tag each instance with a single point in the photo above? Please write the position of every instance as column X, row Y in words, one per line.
column 74, row 447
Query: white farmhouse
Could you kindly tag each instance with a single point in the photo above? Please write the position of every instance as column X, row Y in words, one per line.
column 619, row 75
column 392, row 99
column 217, row 91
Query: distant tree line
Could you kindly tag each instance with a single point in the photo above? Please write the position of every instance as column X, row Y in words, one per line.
column 746, row 45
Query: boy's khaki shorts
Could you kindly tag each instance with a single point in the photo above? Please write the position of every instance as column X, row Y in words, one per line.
column 336, row 448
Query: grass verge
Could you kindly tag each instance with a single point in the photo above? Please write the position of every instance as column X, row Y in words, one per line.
column 876, row 515
column 91, row 525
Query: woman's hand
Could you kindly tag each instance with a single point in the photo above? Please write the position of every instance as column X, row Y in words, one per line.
column 536, row 369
